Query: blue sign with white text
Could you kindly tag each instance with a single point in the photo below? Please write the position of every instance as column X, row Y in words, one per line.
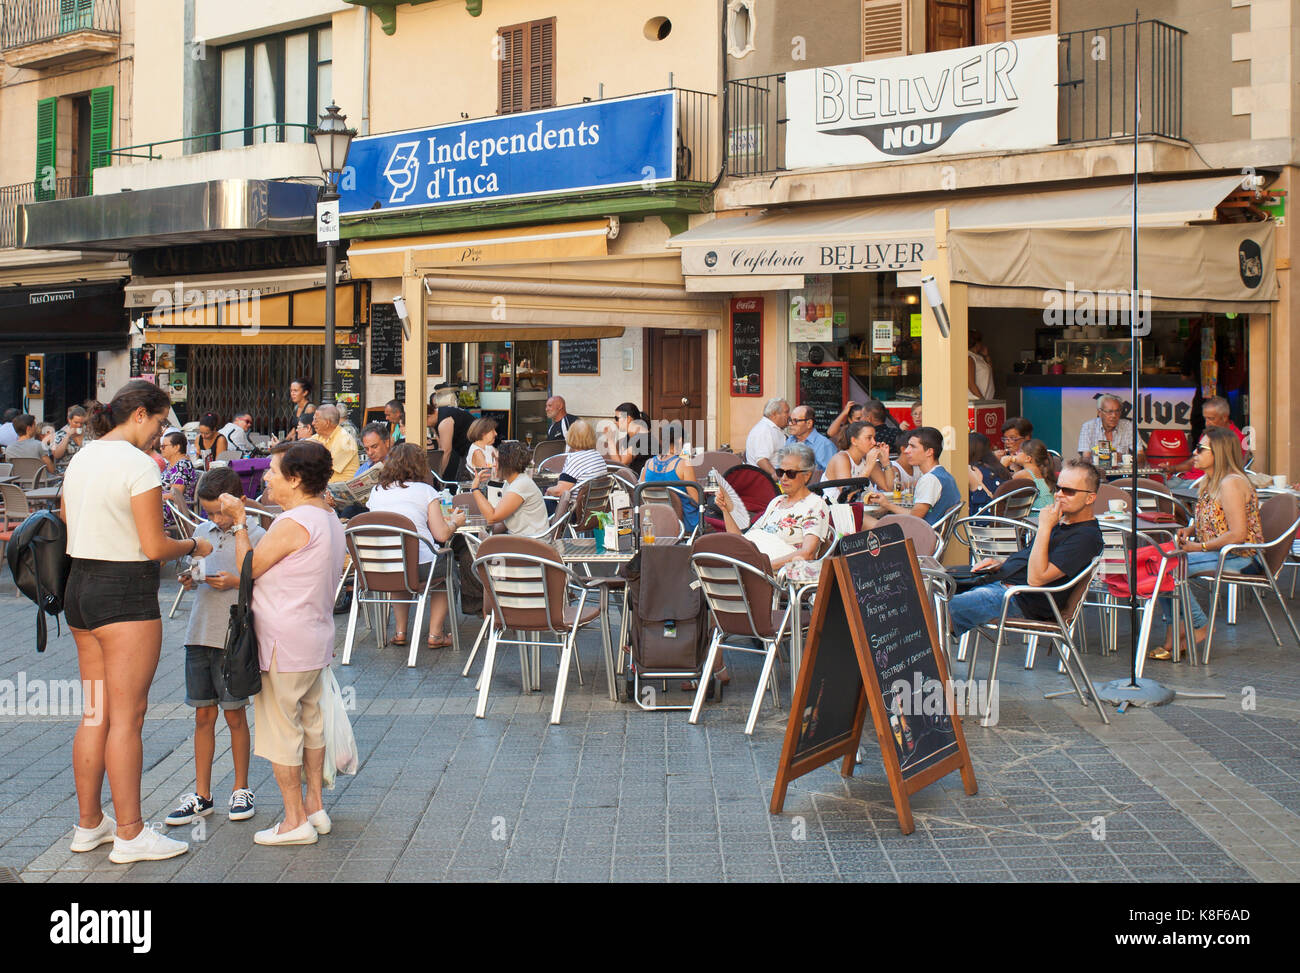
column 594, row 145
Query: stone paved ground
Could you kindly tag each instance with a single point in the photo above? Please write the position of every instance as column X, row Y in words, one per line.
column 1199, row 791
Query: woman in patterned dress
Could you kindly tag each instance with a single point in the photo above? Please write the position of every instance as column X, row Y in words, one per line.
column 179, row 478
column 1226, row 513
column 793, row 527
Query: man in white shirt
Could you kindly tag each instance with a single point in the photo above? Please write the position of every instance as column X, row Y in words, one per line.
column 9, row 435
column 768, row 435
column 236, row 432
column 1108, row 426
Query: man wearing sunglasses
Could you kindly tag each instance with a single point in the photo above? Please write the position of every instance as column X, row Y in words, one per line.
column 802, row 429
column 1068, row 539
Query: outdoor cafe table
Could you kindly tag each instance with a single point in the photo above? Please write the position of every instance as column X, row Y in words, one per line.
column 582, row 550
column 45, row 495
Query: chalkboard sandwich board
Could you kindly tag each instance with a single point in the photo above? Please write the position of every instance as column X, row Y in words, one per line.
column 872, row 644
column 579, row 356
column 825, row 387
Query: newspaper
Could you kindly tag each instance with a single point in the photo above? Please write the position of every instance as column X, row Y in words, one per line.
column 357, row 490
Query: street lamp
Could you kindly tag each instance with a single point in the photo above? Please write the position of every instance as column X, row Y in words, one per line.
column 332, row 138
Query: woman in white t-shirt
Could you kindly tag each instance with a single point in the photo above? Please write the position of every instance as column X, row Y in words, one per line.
column 482, row 433
column 404, row 489
column 522, row 508
column 112, row 503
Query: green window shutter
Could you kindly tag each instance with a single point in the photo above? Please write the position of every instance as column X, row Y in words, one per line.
column 101, row 128
column 76, row 15
column 46, row 132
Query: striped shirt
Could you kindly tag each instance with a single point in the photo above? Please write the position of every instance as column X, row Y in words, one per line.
column 581, row 466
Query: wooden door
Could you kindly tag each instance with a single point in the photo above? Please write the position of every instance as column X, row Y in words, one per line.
column 949, row 24
column 675, row 379
column 991, row 26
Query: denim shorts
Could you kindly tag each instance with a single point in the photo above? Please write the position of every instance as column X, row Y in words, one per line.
column 103, row 592
column 204, row 685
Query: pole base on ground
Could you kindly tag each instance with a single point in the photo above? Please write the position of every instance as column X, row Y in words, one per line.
column 1122, row 692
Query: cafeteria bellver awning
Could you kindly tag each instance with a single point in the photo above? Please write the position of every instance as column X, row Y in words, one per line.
column 1009, row 246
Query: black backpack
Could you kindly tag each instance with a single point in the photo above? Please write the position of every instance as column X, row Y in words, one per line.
column 38, row 559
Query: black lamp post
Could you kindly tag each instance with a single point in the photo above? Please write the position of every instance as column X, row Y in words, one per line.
column 333, row 138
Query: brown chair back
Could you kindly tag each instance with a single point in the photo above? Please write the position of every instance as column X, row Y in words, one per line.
column 662, row 519
column 546, row 449
column 387, row 559
column 28, row 469
column 923, row 537
column 523, row 594
column 1277, row 517
column 1106, row 492
column 715, row 460
column 735, row 595
column 436, row 461
column 1013, row 499
column 591, row 497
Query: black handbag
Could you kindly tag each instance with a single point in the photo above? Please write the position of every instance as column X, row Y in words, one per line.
column 240, row 666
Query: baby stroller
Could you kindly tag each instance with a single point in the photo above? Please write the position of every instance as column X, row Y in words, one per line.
column 756, row 490
column 669, row 622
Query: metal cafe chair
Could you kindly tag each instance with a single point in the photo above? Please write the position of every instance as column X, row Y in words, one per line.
column 551, row 464
column 31, row 472
column 525, row 586
column 1012, row 499
column 386, row 563
column 738, row 583
column 984, row 536
column 186, row 523
column 1057, row 629
column 943, row 527
column 548, row 448
column 555, row 527
column 1280, row 518
column 14, row 509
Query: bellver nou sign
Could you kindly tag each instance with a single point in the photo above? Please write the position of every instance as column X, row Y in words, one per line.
column 994, row 97
column 594, row 145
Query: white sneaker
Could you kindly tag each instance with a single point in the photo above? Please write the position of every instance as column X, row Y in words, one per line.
column 88, row 839
column 320, row 821
column 147, row 846
column 304, row 834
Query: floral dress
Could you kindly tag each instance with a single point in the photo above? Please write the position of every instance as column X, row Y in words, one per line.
column 182, row 472
column 1211, row 521
column 789, row 523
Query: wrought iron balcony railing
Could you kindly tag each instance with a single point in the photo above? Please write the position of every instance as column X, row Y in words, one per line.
column 33, row 21
column 1095, row 83
column 11, row 197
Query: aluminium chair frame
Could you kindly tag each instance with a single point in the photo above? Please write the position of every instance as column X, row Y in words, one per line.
column 767, row 680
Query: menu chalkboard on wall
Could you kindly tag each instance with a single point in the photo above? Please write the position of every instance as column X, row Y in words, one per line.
column 873, row 645
column 825, row 387
column 385, row 340
column 747, row 346
column 579, row 356
column 434, row 358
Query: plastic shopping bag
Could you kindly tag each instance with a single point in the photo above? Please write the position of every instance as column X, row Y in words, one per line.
column 340, row 745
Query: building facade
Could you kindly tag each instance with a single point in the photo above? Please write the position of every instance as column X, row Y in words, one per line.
column 851, row 125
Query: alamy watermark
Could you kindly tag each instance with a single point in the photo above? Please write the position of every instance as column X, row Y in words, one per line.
column 1080, row 307
column 956, row 697
column 226, row 307
column 53, row 697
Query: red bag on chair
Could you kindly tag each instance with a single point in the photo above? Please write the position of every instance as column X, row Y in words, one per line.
column 1148, row 567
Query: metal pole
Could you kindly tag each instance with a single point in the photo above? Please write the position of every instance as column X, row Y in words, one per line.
column 1135, row 364
column 331, row 255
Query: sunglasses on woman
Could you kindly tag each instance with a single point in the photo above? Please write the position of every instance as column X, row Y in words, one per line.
column 1202, row 448
column 788, row 473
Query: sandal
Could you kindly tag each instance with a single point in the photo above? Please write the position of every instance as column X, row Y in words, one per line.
column 1161, row 655
column 439, row 641
column 399, row 638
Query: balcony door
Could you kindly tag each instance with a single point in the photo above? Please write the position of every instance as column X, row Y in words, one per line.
column 949, row 24
column 76, row 15
column 273, row 81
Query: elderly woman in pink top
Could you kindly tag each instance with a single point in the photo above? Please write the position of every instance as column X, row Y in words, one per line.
column 296, row 567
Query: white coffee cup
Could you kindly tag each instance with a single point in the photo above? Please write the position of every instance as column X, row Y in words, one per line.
column 1279, row 481
column 1118, row 506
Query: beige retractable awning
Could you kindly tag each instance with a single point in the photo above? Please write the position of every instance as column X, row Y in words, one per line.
column 148, row 292
column 565, row 241
column 898, row 235
column 1191, row 268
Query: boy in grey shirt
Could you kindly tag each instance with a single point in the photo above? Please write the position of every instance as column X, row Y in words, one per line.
column 205, row 639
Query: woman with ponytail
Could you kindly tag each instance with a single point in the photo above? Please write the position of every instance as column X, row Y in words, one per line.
column 112, row 503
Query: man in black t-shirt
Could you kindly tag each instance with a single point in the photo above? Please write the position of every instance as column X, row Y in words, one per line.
column 558, row 413
column 1067, row 541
